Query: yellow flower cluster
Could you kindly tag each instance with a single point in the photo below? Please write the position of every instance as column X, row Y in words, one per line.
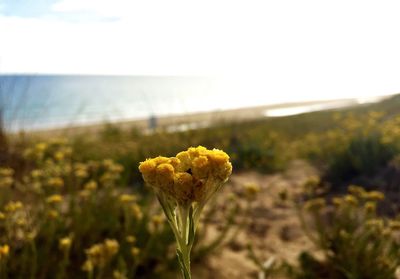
column 13, row 206
column 192, row 176
column 54, row 199
column 6, row 177
column 4, row 251
column 100, row 254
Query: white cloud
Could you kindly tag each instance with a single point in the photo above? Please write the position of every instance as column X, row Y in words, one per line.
column 289, row 46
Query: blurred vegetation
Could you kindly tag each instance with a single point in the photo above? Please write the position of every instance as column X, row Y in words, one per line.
column 354, row 240
column 78, row 207
column 63, row 218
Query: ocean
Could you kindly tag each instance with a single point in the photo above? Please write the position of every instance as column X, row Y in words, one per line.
column 34, row 102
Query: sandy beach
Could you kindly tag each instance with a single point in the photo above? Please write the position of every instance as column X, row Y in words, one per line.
column 180, row 122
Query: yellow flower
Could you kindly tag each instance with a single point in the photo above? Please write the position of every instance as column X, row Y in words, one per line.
column 91, row 185
column 351, row 200
column 81, row 173
column 112, row 246
column 118, row 275
column 55, row 182
column 6, row 172
column 136, row 211
column 13, row 206
column 21, row 221
column 192, row 176
column 87, row 266
column 81, row 170
column 54, row 199
column 183, row 185
column 85, row 193
column 130, row 239
column 374, row 195
column 36, row 173
column 41, row 147
column 100, row 254
column 135, row 251
column 337, row 201
column 370, row 207
column 59, row 155
column 30, row 236
column 356, row 190
column 4, row 251
column 375, row 224
column 52, row 214
column 125, row 198
column 6, row 182
column 64, row 244
column 156, row 222
column 251, row 190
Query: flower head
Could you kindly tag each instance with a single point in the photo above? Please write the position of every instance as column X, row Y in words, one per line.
column 100, row 254
column 183, row 185
column 192, row 176
column 4, row 251
column 64, row 244
column 54, row 199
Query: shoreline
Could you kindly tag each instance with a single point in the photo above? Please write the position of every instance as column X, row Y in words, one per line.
column 182, row 122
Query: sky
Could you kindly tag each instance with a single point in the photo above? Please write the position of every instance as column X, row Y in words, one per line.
column 314, row 48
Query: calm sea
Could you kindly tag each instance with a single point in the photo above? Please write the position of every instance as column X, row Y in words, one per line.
column 32, row 102
column 37, row 102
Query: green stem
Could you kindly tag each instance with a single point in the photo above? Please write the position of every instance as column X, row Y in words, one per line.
column 184, row 245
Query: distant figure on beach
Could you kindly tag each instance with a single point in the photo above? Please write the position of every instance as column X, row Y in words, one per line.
column 152, row 122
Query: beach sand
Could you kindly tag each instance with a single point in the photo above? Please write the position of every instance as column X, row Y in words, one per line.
column 182, row 122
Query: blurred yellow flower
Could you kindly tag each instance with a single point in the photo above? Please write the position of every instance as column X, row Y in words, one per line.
column 130, row 239
column 374, row 195
column 52, row 214
column 64, row 244
column 100, row 254
column 356, row 190
column 118, row 275
column 13, row 206
column 125, row 198
column 56, row 182
column 4, row 251
column 6, row 182
column 53, row 199
column 136, row 211
column 91, row 185
column 351, row 200
column 6, row 172
column 370, row 207
column 87, row 266
column 251, row 190
column 135, row 251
